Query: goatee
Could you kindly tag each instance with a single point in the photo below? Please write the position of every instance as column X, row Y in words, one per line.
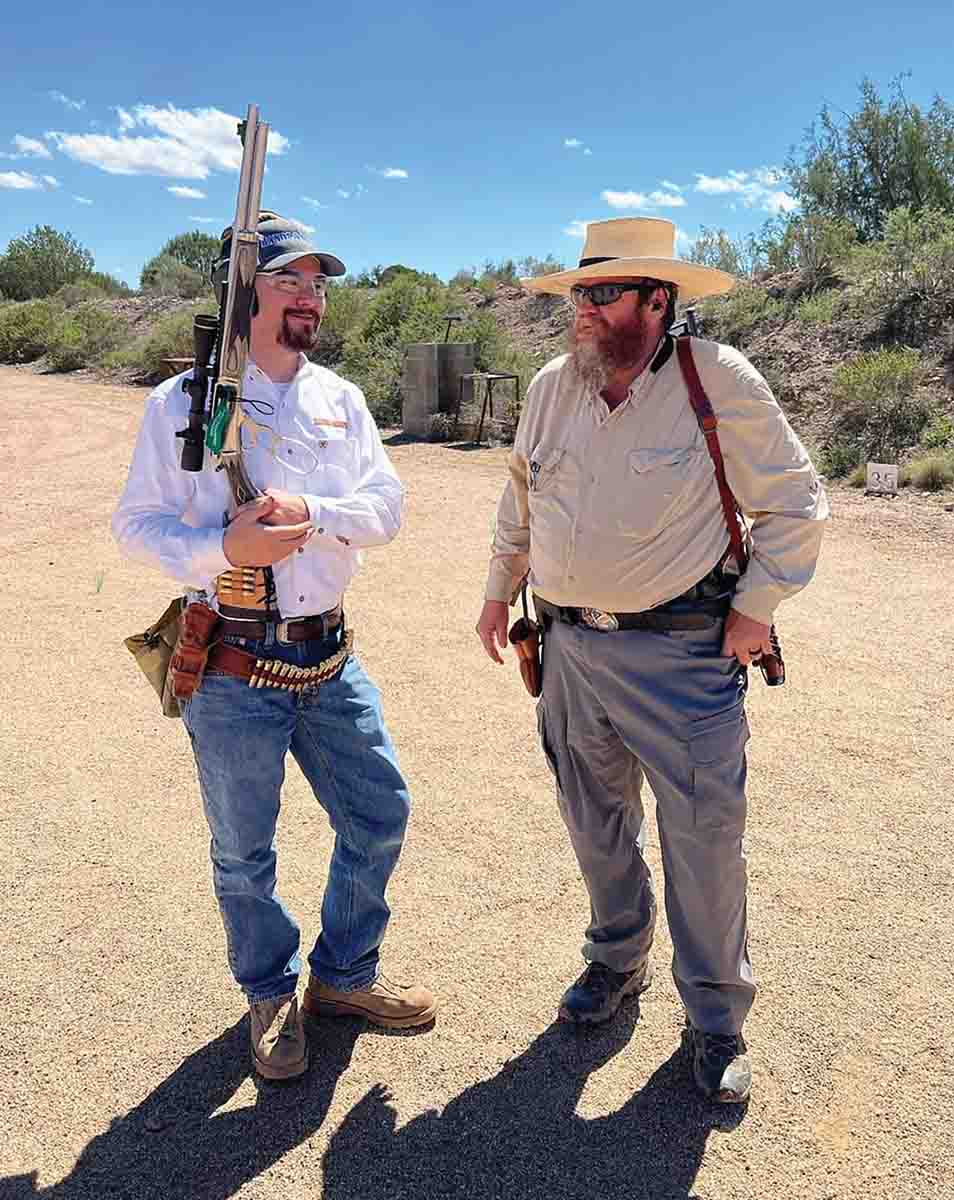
column 597, row 357
column 298, row 337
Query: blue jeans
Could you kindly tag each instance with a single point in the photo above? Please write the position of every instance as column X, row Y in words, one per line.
column 240, row 736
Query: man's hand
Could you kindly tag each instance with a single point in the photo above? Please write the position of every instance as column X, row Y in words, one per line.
column 493, row 625
column 288, row 509
column 253, row 540
column 744, row 638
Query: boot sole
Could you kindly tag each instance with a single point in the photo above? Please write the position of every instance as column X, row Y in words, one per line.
column 635, row 987
column 337, row 1008
column 279, row 1073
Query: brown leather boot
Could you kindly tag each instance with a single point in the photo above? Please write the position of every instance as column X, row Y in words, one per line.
column 393, row 1005
column 279, row 1047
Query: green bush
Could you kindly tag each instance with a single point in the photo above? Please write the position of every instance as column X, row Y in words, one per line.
column 170, row 277
column 939, row 434
column 858, row 477
column 820, row 309
column 25, row 330
column 838, row 458
column 40, row 262
column 877, row 412
column 171, row 337
column 930, row 473
column 733, row 317
column 83, row 335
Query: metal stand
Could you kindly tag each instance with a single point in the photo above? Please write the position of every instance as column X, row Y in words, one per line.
column 488, row 378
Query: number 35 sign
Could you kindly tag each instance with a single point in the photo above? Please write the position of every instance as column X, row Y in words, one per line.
column 882, row 478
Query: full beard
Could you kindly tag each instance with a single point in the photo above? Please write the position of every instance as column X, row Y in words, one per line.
column 597, row 356
column 298, row 337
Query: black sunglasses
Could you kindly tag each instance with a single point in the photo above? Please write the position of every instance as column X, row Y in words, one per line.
column 606, row 293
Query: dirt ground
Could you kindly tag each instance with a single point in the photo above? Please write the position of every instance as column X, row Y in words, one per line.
column 123, row 1052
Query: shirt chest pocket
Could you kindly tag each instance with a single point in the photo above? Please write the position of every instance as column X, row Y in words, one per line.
column 337, row 463
column 658, row 484
column 544, row 468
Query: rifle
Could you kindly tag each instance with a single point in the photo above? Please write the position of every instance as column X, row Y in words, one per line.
column 221, row 353
column 221, row 343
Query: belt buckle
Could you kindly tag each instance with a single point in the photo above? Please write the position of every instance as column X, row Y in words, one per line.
column 595, row 619
column 281, row 632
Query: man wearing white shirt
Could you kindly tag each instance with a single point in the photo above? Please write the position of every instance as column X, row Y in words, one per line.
column 330, row 491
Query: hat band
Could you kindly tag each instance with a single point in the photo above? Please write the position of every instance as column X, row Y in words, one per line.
column 588, row 262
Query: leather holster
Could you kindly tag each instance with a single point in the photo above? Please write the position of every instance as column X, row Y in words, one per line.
column 187, row 667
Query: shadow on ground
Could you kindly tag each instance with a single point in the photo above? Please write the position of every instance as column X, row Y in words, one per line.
column 518, row 1134
column 515, row 1135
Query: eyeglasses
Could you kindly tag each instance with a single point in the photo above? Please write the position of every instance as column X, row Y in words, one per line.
column 605, row 293
column 294, row 284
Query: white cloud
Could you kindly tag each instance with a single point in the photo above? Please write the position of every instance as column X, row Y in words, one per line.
column 670, row 186
column 184, row 144
column 305, row 228
column 642, row 202
column 572, row 143
column 360, row 189
column 310, row 200
column 683, row 241
column 587, row 150
column 576, row 229
column 30, row 147
column 389, row 172
column 65, row 100
column 82, row 200
column 758, row 188
column 20, row 181
column 186, row 193
column 208, row 220
column 50, row 181
column 343, row 194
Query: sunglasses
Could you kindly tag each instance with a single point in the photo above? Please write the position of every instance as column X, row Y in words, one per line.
column 294, row 284
column 605, row 293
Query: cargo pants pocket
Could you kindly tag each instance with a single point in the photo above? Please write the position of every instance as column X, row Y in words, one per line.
column 717, row 770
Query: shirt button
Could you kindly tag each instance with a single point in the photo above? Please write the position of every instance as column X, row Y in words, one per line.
column 301, row 599
column 301, row 549
column 321, row 529
column 290, row 453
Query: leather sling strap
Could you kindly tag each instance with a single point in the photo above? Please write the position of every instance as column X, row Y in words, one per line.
column 709, row 424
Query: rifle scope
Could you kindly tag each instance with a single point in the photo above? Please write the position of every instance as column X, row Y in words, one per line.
column 205, row 330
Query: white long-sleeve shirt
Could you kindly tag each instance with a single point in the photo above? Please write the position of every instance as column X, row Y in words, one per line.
column 174, row 519
column 620, row 510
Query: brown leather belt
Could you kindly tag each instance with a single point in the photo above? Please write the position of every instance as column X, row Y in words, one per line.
column 296, row 629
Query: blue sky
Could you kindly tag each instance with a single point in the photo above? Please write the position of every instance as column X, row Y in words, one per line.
column 433, row 134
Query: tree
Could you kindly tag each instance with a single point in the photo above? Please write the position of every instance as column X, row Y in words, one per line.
column 40, row 262
column 195, row 250
column 859, row 167
column 714, row 248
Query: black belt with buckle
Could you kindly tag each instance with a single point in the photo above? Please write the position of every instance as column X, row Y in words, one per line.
column 684, row 614
column 296, row 629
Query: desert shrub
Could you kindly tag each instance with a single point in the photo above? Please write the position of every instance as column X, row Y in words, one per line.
column 171, row 337
column 858, row 478
column 930, row 473
column 733, row 317
column 838, row 458
column 810, row 243
column 168, row 276
column 40, row 262
column 819, row 309
column 877, row 412
column 83, row 335
column 25, row 330
column 939, row 433
column 375, row 365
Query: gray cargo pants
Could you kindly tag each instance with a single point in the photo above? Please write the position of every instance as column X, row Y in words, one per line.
column 619, row 706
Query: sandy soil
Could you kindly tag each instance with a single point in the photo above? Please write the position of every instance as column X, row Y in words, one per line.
column 125, row 1071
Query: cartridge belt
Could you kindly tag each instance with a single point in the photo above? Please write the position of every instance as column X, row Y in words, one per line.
column 273, row 672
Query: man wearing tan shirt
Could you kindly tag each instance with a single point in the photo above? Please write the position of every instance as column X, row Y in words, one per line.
column 612, row 506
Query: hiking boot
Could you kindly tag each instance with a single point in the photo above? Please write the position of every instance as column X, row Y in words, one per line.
column 279, row 1048
column 598, row 992
column 393, row 1005
column 720, row 1064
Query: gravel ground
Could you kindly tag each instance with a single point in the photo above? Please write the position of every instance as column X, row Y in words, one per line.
column 124, row 1061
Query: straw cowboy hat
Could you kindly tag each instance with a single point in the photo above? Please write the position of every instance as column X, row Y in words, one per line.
column 634, row 247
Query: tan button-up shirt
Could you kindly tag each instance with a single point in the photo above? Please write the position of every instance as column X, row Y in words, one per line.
column 620, row 510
